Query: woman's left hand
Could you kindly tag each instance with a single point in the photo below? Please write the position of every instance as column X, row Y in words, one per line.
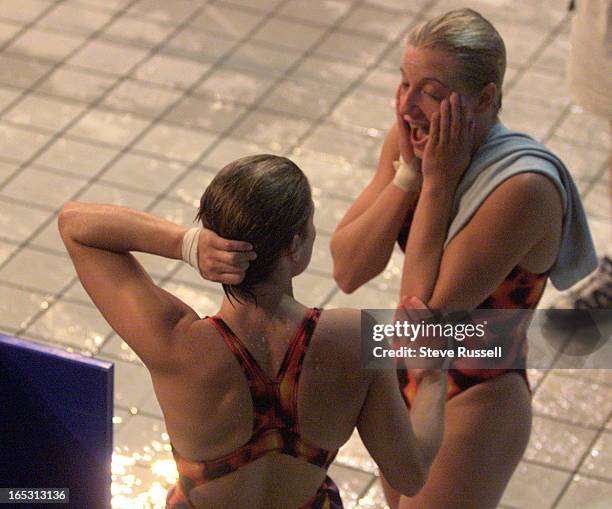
column 451, row 140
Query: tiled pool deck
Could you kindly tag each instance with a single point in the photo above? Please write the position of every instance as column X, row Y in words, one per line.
column 139, row 102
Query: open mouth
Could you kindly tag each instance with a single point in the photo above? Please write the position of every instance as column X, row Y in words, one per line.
column 419, row 135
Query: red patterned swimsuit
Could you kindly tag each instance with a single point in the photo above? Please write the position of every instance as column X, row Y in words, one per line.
column 520, row 289
column 275, row 427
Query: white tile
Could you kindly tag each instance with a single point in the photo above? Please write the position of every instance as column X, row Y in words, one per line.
column 191, row 187
column 81, row 158
column 597, row 200
column 171, row 71
column 586, row 493
column 264, row 60
column 311, row 289
column 322, row 69
column 365, row 112
column 111, row 5
column 200, row 46
column 115, row 347
column 40, row 271
column 137, row 32
column 357, row 149
column 157, row 266
column 108, row 57
column 534, row 119
column 132, row 384
column 21, row 73
column 8, row 30
column 77, row 325
column 328, row 211
column 354, row 454
column 100, row 192
column 352, row 483
column 151, row 406
column 179, row 213
column 574, row 400
column 162, row 11
column 226, row 20
column 42, row 187
column 275, row 133
column 301, row 98
column 141, row 98
column 196, row 112
column 202, row 302
column 289, row 34
column 232, row 85
column 7, row 170
column 364, row 298
column 44, row 112
column 175, row 142
column 374, row 498
column 599, row 460
column 20, row 144
column 17, row 222
column 76, row 84
column 110, row 127
column 584, row 129
column 228, row 150
column 318, row 11
column 7, row 96
column 44, row 44
column 351, row 47
column 17, row 307
column 558, row 444
column 374, row 21
column 332, row 173
column 523, row 492
column 22, row 10
column 583, row 163
column 143, row 173
column 73, row 18
column 381, row 82
column 6, row 249
column 263, row 5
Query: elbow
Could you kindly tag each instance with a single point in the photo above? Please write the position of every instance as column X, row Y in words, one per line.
column 411, row 482
column 345, row 280
column 67, row 215
column 413, row 475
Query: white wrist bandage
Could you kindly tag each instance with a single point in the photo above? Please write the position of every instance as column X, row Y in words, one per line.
column 407, row 177
column 189, row 247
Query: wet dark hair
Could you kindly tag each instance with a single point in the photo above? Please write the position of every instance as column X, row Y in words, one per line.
column 262, row 199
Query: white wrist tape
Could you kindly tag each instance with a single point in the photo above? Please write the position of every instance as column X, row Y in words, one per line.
column 407, row 176
column 189, row 247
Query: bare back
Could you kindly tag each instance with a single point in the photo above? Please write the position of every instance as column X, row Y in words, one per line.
column 209, row 410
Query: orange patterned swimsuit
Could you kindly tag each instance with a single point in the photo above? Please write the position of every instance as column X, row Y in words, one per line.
column 275, row 426
column 520, row 289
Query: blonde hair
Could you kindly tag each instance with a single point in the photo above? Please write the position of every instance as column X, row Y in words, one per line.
column 473, row 41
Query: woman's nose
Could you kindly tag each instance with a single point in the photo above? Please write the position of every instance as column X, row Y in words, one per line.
column 409, row 104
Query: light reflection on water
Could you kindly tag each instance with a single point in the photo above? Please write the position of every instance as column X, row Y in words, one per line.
column 129, row 490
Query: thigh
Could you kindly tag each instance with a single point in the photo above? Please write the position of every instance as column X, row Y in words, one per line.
column 486, row 432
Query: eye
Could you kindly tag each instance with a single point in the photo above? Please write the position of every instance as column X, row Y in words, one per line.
column 436, row 97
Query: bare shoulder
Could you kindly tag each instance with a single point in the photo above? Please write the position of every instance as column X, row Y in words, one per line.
column 342, row 326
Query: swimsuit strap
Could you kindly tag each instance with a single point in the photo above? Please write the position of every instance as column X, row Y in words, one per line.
column 283, row 389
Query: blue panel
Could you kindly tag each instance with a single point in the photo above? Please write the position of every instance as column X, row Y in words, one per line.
column 56, row 426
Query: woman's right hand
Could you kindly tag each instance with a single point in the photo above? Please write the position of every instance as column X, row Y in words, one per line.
column 403, row 129
column 222, row 260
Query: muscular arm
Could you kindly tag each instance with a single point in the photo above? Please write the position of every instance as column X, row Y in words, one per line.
column 518, row 217
column 99, row 239
column 363, row 241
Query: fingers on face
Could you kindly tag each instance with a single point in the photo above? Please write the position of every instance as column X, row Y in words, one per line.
column 445, row 117
column 434, row 129
column 457, row 115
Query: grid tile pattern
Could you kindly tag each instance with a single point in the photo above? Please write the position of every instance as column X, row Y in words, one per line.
column 137, row 102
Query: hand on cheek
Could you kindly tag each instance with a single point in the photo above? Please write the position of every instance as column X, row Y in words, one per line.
column 449, row 148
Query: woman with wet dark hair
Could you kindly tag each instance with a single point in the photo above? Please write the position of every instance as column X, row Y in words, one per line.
column 257, row 399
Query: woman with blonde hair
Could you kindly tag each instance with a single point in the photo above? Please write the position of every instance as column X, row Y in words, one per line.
column 485, row 217
column 258, row 398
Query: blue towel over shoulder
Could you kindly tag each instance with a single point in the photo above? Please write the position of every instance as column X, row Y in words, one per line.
column 506, row 153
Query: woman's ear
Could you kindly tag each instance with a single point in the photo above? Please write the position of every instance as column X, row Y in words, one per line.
column 487, row 98
column 294, row 248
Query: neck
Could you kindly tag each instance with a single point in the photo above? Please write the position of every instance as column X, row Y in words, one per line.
column 482, row 131
column 272, row 297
